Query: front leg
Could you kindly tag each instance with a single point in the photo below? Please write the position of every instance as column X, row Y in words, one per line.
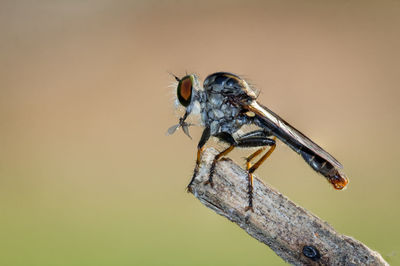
column 225, row 137
column 200, row 148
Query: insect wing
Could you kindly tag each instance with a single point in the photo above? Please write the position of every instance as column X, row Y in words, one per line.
column 172, row 129
column 287, row 133
column 185, row 128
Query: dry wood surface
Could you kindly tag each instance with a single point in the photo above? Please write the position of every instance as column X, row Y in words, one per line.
column 293, row 233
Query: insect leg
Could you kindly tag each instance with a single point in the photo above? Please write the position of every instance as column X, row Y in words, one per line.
column 226, row 137
column 255, row 142
column 256, row 133
column 200, row 148
column 264, row 157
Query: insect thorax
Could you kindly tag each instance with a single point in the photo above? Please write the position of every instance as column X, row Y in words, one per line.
column 221, row 115
column 225, row 93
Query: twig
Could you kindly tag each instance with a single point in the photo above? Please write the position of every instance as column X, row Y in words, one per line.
column 293, row 233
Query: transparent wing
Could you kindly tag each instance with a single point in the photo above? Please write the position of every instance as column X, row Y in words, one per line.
column 288, row 134
column 172, row 129
column 185, row 127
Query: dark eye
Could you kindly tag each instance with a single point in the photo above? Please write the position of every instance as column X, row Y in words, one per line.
column 184, row 91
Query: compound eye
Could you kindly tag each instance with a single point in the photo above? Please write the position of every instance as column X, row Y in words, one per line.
column 184, row 91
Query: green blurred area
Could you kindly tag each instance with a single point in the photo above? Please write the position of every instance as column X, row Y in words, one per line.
column 87, row 175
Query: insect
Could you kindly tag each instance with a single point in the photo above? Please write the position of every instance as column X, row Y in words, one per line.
column 225, row 104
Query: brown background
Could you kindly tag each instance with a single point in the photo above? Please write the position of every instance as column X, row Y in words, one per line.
column 87, row 175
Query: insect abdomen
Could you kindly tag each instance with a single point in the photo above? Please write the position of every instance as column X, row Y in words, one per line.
column 322, row 166
column 316, row 162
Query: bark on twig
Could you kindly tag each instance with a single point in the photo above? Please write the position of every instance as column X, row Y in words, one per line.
column 293, row 233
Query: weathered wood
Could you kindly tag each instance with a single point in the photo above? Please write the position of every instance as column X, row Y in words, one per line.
column 276, row 221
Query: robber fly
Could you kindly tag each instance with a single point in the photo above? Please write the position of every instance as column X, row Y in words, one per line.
column 226, row 103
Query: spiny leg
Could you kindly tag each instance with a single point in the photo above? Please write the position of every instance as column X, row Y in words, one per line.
column 256, row 133
column 264, row 157
column 200, row 148
column 196, row 168
column 250, row 178
column 254, row 139
column 214, row 162
column 251, row 168
column 227, row 138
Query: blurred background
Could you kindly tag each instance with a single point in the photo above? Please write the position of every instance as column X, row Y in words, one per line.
column 87, row 175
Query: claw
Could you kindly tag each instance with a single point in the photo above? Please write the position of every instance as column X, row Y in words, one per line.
column 209, row 182
column 249, row 208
